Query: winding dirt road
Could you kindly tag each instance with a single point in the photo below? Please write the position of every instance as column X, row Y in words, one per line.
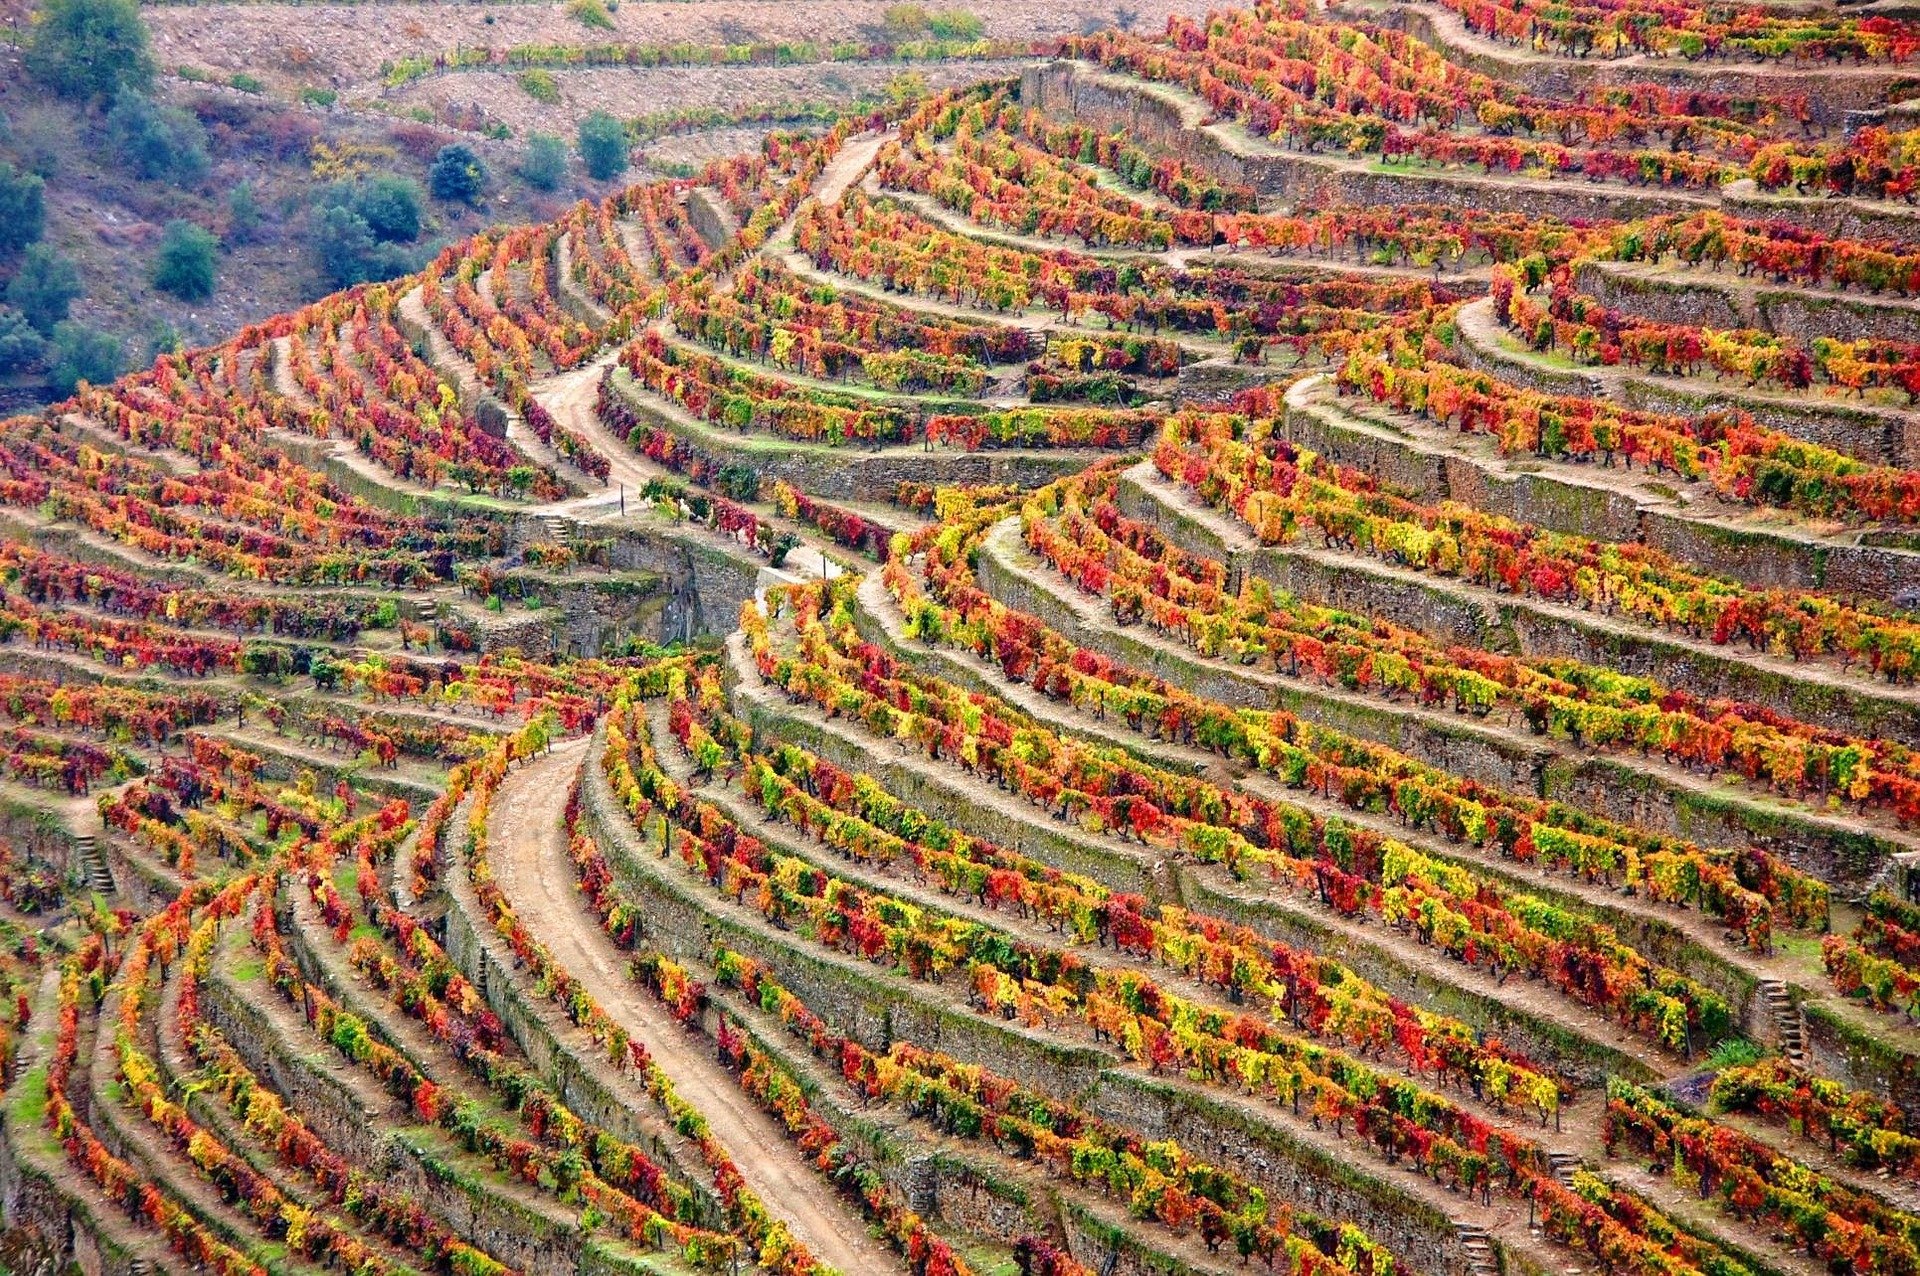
column 529, row 856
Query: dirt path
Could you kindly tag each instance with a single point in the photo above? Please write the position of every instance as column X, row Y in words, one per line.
column 571, row 398
column 530, row 863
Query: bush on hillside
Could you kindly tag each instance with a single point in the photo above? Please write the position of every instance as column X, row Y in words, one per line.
column 90, row 49
column 156, row 142
column 44, row 286
column 457, row 175
column 603, row 146
column 78, row 353
column 545, row 165
column 184, row 266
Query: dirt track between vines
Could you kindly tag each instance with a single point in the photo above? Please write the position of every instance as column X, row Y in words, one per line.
column 529, row 859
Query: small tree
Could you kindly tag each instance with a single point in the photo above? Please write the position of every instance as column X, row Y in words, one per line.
column 545, row 164
column 157, row 142
column 79, row 353
column 603, row 146
column 457, row 175
column 391, row 208
column 243, row 214
column 184, row 264
column 44, row 286
column 23, row 213
column 342, row 242
column 90, row 48
column 20, row 345
column 347, row 252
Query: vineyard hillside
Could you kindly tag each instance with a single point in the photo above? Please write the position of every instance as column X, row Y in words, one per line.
column 1141, row 644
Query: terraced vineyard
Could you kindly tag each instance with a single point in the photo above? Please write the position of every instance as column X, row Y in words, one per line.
column 1289, row 645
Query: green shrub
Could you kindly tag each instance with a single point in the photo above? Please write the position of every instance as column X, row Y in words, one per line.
column 267, row 660
column 457, row 175
column 90, row 49
column 1736, row 1052
column 390, row 206
column 44, row 286
column 590, row 13
column 247, row 83
column 603, row 146
column 20, row 345
column 156, row 142
column 541, row 86
column 956, row 24
column 243, row 214
column 184, row 266
column 79, row 353
column 913, row 22
column 315, row 96
column 23, row 213
column 347, row 252
column 544, row 166
column 905, row 21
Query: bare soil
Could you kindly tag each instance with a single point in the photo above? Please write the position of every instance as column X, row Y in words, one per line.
column 529, row 858
column 343, row 45
column 630, row 93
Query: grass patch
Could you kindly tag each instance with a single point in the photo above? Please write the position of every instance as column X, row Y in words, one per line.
column 539, row 84
column 1736, row 1052
column 30, row 1098
column 1798, row 945
column 590, row 13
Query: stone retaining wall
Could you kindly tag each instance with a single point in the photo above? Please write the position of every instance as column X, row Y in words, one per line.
column 712, row 220
column 1829, row 97
column 1158, row 116
column 1554, row 498
column 1873, row 435
column 1722, row 299
column 864, row 1001
column 530, row 1240
column 876, row 1016
column 536, row 1027
column 847, row 473
column 1509, row 623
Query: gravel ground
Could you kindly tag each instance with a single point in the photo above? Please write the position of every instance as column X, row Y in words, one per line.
column 638, row 91
column 344, row 45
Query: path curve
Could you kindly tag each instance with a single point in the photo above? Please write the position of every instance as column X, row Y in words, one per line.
column 528, row 853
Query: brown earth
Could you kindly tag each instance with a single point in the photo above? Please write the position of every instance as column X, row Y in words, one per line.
column 639, row 91
column 529, row 859
column 341, row 45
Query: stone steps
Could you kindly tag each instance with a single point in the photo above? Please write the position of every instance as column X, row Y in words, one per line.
column 1787, row 1020
column 1477, row 1245
column 92, row 864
